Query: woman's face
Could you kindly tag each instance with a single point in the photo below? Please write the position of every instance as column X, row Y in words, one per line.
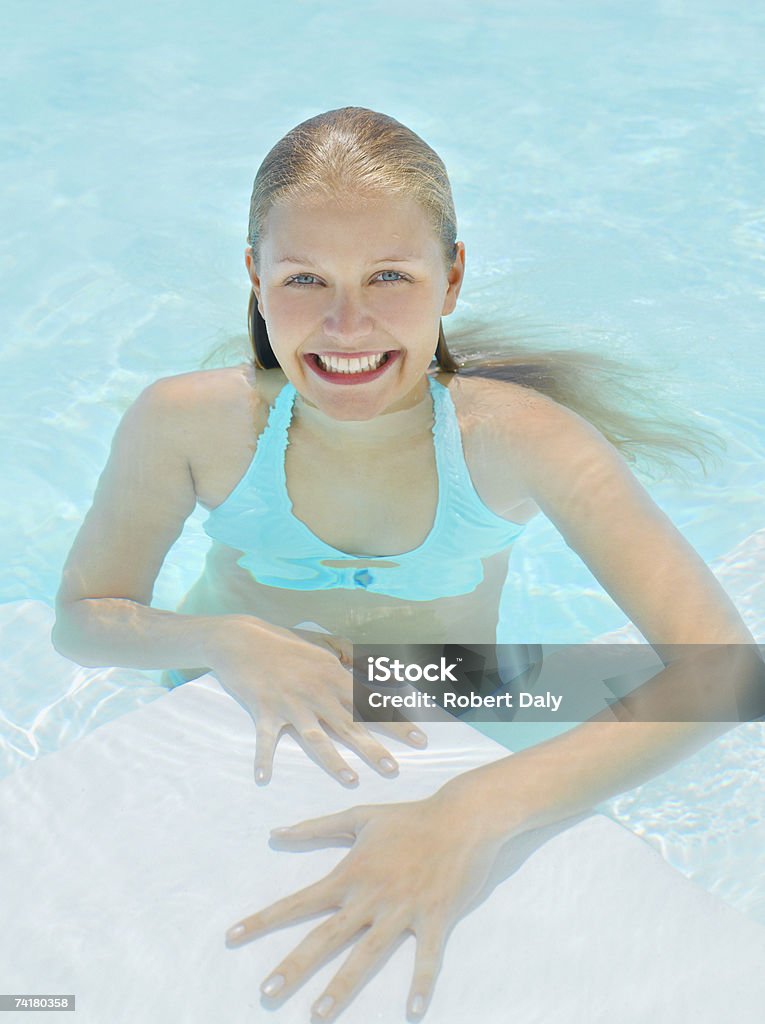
column 343, row 284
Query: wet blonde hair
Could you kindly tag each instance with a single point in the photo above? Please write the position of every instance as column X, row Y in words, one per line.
column 358, row 152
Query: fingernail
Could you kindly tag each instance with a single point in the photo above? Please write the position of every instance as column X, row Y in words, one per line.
column 236, row 932
column 261, row 776
column 323, row 1006
column 285, row 830
column 272, row 985
column 417, row 1005
column 348, row 776
column 416, row 736
column 387, row 765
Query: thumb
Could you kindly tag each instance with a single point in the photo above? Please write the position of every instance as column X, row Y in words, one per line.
column 343, row 648
column 330, row 826
column 337, row 645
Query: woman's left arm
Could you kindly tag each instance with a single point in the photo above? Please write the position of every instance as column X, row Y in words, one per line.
column 713, row 666
column 387, row 883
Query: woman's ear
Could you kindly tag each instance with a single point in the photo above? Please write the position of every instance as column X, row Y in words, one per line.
column 249, row 262
column 454, row 278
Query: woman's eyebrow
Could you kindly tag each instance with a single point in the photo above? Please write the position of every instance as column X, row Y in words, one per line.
column 408, row 258
column 306, row 260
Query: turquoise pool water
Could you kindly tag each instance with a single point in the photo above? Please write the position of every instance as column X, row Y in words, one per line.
column 606, row 165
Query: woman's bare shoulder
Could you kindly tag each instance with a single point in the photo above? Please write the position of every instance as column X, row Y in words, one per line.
column 493, row 416
column 200, row 405
column 204, row 387
column 501, row 408
column 213, row 417
column 525, row 432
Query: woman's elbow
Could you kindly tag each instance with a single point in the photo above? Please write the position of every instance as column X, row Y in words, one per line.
column 66, row 635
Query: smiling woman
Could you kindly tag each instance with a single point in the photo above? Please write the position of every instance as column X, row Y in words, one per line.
column 351, row 302
column 356, row 496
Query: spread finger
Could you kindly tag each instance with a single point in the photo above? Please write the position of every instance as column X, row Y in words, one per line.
column 312, row 899
column 360, row 964
column 317, row 947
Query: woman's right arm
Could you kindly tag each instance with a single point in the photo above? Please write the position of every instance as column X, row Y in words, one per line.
column 143, row 497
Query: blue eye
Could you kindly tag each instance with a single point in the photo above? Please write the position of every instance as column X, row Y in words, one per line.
column 302, row 284
column 396, row 276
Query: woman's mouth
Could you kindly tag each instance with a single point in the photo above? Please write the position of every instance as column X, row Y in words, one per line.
column 357, row 369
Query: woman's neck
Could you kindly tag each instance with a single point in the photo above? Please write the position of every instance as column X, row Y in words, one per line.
column 403, row 426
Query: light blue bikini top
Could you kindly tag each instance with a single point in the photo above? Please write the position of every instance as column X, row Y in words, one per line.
column 280, row 550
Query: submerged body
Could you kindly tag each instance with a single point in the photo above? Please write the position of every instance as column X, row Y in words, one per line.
column 358, row 501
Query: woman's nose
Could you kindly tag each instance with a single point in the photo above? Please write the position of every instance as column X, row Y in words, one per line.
column 348, row 318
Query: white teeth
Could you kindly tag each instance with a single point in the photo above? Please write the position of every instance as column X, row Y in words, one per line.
column 358, row 365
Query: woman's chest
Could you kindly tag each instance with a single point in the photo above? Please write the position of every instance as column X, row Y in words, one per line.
column 365, row 503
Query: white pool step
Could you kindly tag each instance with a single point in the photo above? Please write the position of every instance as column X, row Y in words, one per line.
column 128, row 854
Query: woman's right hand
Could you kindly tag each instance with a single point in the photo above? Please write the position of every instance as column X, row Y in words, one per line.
column 287, row 681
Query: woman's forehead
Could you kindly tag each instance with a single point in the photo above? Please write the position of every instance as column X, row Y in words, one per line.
column 394, row 223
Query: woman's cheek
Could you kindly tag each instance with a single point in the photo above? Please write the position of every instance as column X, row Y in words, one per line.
column 289, row 317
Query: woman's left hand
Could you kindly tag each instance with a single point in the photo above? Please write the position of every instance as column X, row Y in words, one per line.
column 413, row 867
